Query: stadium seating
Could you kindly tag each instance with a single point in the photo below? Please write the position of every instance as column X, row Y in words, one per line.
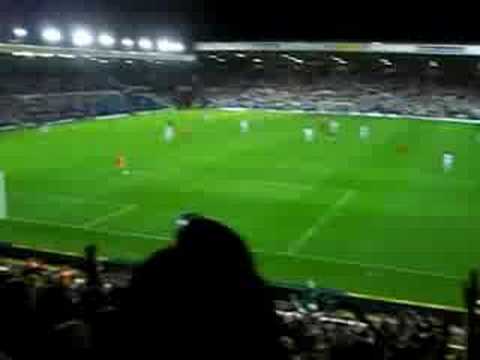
column 71, row 312
column 348, row 92
column 27, row 84
column 63, row 313
column 33, row 91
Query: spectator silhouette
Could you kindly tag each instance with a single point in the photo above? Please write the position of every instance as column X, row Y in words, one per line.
column 202, row 297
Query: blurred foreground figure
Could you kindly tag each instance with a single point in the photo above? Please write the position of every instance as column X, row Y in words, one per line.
column 169, row 132
column 308, row 134
column 202, row 298
column 244, row 126
column 448, row 160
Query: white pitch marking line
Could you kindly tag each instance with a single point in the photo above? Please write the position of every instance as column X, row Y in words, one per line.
column 122, row 211
column 359, row 264
column 80, row 227
column 260, row 251
column 321, row 221
column 288, row 185
column 53, row 197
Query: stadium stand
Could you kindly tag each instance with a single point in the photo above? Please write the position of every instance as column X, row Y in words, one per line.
column 89, row 87
column 410, row 86
column 80, row 308
column 87, row 308
column 73, row 88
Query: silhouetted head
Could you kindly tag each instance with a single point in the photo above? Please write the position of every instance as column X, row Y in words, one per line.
column 214, row 248
column 202, row 297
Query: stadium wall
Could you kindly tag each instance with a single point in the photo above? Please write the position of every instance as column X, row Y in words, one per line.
column 378, row 115
column 10, row 127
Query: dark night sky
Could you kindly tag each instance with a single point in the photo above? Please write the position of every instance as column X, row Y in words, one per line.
column 252, row 20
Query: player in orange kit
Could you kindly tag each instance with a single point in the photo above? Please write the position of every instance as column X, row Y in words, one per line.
column 121, row 163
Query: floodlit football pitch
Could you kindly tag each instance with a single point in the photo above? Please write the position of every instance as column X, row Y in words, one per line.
column 378, row 216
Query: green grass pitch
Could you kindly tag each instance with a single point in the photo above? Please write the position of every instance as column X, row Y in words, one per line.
column 355, row 215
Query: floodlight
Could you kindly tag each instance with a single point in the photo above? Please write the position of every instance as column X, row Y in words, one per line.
column 163, row 45
column 145, row 44
column 20, row 32
column 339, row 60
column 23, row 53
column 177, row 47
column 170, row 46
column 386, row 62
column 293, row 58
column 51, row 35
column 106, row 40
column 127, row 42
column 66, row 56
column 82, row 38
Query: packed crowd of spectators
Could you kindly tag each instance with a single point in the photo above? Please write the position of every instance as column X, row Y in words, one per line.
column 34, row 90
column 42, row 90
column 345, row 331
column 42, row 108
column 201, row 298
column 405, row 94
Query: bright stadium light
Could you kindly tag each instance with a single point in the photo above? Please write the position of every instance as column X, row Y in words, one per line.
column 52, row 35
column 163, row 45
column 127, row 42
column 66, row 56
column 178, row 47
column 82, row 38
column 20, row 32
column 257, row 61
column 175, row 47
column 23, row 53
column 386, row 62
column 170, row 46
column 339, row 60
column 106, row 40
column 45, row 55
column 293, row 59
column 145, row 44
column 240, row 56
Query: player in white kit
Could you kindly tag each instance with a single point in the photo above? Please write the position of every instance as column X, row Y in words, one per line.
column 364, row 132
column 333, row 127
column 169, row 132
column 244, row 126
column 44, row 128
column 308, row 134
column 448, row 160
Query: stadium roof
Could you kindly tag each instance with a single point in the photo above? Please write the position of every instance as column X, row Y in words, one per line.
column 19, row 49
column 352, row 47
column 50, row 51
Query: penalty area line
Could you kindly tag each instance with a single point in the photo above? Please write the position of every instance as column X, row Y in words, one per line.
column 101, row 219
column 89, row 230
column 321, row 221
column 336, row 261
